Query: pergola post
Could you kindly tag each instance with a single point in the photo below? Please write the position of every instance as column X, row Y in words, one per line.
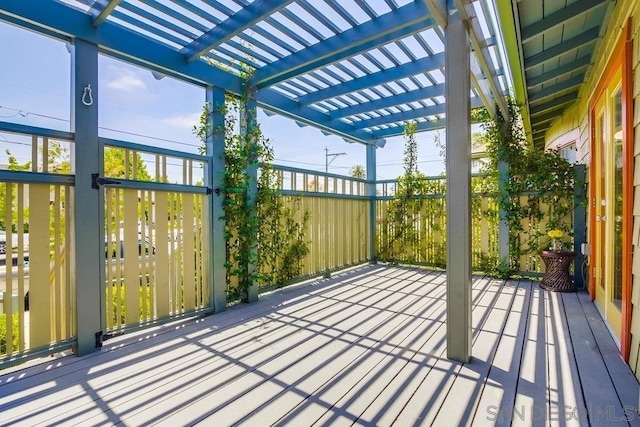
column 371, row 192
column 458, row 164
column 214, row 174
column 248, row 122
column 503, row 225
column 87, row 158
column 579, row 222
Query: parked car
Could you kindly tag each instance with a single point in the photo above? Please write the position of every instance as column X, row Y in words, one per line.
column 115, row 260
column 3, row 242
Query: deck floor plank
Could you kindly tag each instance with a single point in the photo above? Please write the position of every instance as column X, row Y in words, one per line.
column 366, row 364
column 564, row 383
column 599, row 392
column 302, row 337
column 469, row 384
column 499, row 393
column 440, row 405
column 425, row 401
column 531, row 403
column 365, row 347
column 390, row 402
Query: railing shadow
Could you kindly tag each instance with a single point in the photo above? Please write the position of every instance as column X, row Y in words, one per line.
column 367, row 346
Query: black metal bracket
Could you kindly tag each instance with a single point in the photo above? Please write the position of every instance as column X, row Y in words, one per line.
column 97, row 181
column 215, row 190
column 99, row 339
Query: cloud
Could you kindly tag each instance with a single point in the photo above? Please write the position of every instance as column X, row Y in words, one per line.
column 185, row 121
column 126, row 81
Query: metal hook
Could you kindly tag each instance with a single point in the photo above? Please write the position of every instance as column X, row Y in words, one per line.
column 87, row 98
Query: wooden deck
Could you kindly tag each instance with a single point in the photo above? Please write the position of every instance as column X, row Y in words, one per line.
column 366, row 347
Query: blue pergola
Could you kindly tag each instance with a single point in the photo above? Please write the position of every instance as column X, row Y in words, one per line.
column 358, row 69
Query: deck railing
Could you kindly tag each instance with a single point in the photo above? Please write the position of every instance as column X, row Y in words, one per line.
column 37, row 296
column 158, row 241
column 338, row 231
column 426, row 243
column 156, row 235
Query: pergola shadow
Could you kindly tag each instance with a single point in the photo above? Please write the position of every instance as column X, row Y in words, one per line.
column 366, row 347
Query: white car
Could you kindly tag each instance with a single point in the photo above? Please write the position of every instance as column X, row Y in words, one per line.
column 3, row 242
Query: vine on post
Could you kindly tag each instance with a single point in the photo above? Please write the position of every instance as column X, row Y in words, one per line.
column 401, row 239
column 537, row 195
column 265, row 244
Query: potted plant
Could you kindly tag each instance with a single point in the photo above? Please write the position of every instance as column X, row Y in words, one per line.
column 555, row 235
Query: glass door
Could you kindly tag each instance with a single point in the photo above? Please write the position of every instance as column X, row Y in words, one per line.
column 607, row 204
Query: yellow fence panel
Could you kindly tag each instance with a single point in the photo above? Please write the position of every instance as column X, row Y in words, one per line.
column 37, row 299
column 156, row 255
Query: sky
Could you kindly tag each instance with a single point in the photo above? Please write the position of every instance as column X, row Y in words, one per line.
column 134, row 106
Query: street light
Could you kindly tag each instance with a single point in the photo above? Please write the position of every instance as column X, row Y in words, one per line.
column 333, row 156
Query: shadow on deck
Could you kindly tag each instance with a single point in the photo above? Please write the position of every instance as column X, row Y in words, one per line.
column 366, row 347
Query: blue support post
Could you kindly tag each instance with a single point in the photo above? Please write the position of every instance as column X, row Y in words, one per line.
column 248, row 123
column 214, row 174
column 579, row 222
column 371, row 192
column 88, row 203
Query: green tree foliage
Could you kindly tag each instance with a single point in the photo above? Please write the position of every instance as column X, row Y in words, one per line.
column 358, row 171
column 15, row 332
column 118, row 161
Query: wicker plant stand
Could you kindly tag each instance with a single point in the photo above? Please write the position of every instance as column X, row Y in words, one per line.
column 556, row 277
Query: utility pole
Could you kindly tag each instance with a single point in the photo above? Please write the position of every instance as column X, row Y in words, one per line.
column 333, row 156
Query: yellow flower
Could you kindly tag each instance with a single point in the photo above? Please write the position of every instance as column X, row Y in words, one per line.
column 555, row 234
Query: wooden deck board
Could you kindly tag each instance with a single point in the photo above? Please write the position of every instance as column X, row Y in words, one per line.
column 370, row 363
column 602, row 403
column 469, row 384
column 530, row 407
column 564, row 383
column 437, row 400
column 623, row 379
column 499, row 393
column 366, row 347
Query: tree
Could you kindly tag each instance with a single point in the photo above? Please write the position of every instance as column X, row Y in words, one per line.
column 119, row 163
column 358, row 171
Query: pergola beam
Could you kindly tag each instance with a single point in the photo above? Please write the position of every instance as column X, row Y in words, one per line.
column 481, row 52
column 287, row 107
column 384, row 29
column 399, row 130
column 439, row 11
column 116, row 41
column 405, row 70
column 100, row 13
column 390, row 101
column 409, row 115
column 246, row 17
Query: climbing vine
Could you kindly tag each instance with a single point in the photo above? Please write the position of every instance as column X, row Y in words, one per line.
column 264, row 231
column 409, row 211
column 537, row 194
